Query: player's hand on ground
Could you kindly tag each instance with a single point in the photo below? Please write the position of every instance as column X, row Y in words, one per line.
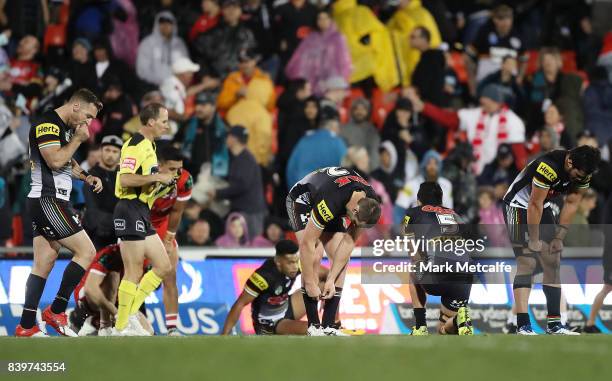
column 329, row 290
column 556, row 246
column 535, row 246
column 82, row 133
column 164, row 178
column 94, row 182
column 312, row 290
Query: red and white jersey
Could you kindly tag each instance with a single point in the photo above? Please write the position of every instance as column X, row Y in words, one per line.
column 181, row 192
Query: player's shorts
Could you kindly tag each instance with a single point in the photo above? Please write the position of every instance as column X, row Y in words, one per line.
column 453, row 289
column 518, row 231
column 268, row 327
column 299, row 213
column 132, row 220
column 53, row 219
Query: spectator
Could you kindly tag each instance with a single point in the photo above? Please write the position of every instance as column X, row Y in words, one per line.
column 600, row 180
column 507, row 78
column 257, row 16
column 82, row 70
column 317, row 149
column 218, row 49
column 491, row 216
column 93, row 19
column 107, row 66
column 597, row 102
column 236, row 232
column 292, row 22
column 563, row 89
column 429, row 170
column 125, row 36
column 98, row 218
column 249, row 82
column 323, row 54
column 429, row 73
column 502, row 169
column 370, row 45
column 204, row 138
column 495, row 40
column 245, row 189
column 408, row 139
column 386, row 173
column 360, row 132
column 335, row 90
column 457, row 169
column 176, row 88
column 118, row 108
column 12, row 147
column 24, row 69
column 198, row 234
column 486, row 126
column 25, row 17
column 54, row 94
column 208, row 19
column 258, row 122
column 579, row 232
column 273, row 233
column 410, row 15
column 158, row 51
column 543, row 142
column 297, row 113
column 133, row 125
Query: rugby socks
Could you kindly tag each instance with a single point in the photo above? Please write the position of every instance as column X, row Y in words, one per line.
column 331, row 308
column 312, row 312
column 522, row 319
column 149, row 283
column 34, row 289
column 419, row 317
column 127, row 293
column 564, row 317
column 171, row 320
column 553, row 303
column 72, row 276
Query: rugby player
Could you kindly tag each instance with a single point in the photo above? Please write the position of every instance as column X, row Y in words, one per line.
column 54, row 138
column 536, row 240
column 273, row 310
column 166, row 217
column 328, row 209
column 138, row 184
column 429, row 220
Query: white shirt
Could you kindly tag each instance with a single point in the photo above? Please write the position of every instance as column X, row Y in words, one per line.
column 407, row 196
column 468, row 121
column 174, row 93
column 101, row 68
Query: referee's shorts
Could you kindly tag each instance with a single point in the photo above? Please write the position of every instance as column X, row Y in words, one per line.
column 53, row 218
column 132, row 219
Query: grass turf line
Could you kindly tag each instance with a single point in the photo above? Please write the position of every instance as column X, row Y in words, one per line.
column 493, row 357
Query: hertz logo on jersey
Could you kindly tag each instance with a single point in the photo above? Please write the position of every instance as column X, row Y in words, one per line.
column 259, row 281
column 47, row 129
column 546, row 171
column 324, row 211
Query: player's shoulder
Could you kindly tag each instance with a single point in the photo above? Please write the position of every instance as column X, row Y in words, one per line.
column 185, row 181
column 48, row 123
column 549, row 165
column 263, row 275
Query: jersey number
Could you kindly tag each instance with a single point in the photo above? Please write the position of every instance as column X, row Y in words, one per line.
column 448, row 224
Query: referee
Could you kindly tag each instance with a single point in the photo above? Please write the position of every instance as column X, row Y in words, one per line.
column 138, row 185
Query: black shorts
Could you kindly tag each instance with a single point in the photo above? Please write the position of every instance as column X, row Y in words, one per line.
column 268, row 327
column 518, row 231
column 299, row 213
column 453, row 289
column 132, row 220
column 53, row 219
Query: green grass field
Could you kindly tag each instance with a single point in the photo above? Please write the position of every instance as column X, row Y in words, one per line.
column 496, row 357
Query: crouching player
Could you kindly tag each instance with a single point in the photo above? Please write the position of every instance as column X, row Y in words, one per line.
column 432, row 222
column 273, row 310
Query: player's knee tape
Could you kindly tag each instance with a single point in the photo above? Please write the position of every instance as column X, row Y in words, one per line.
column 522, row 281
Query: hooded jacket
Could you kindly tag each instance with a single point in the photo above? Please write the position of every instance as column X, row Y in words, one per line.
column 363, row 133
column 156, row 54
column 227, row 240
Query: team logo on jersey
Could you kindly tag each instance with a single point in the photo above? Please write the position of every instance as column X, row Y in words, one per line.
column 47, row 129
column 406, row 220
column 303, row 199
column 259, row 281
column 546, row 171
column 324, row 211
column 129, row 162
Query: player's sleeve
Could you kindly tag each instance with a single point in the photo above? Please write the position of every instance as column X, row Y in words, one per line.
column 323, row 212
column 545, row 175
column 408, row 223
column 47, row 135
column 584, row 183
column 185, row 186
column 256, row 284
column 131, row 159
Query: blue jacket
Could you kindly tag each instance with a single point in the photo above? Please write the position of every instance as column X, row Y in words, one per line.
column 317, row 149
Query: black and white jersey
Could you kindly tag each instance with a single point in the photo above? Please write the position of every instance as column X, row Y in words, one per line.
column 49, row 131
column 546, row 172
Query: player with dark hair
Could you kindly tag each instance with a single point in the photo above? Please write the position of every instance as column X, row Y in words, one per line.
column 138, row 185
column 166, row 215
column 329, row 208
column 54, row 138
column 273, row 310
column 430, row 221
column 536, row 239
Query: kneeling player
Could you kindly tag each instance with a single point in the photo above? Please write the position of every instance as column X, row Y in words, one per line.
column 273, row 310
column 431, row 221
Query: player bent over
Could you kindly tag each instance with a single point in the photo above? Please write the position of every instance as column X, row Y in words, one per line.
column 273, row 310
column 138, row 185
column 531, row 226
column 329, row 208
column 429, row 220
column 54, row 138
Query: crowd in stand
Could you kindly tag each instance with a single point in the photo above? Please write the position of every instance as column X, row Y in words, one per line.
column 260, row 93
